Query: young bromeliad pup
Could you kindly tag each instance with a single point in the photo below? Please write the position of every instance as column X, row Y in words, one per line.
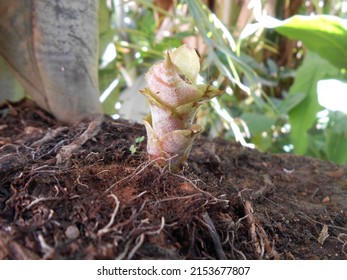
column 174, row 98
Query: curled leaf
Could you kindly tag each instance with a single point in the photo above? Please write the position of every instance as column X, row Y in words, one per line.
column 174, row 98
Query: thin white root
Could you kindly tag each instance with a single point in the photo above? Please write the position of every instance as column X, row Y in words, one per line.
column 110, row 223
column 138, row 244
column 158, row 231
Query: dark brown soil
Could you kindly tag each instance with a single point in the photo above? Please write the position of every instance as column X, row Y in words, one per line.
column 104, row 202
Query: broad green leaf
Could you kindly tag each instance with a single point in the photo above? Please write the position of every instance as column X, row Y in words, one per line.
column 262, row 142
column 257, row 123
column 336, row 147
column 323, row 34
column 303, row 116
column 338, row 122
column 336, row 137
column 290, row 102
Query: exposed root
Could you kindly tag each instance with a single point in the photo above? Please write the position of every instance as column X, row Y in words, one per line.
column 110, row 223
column 232, row 229
column 50, row 135
column 139, row 242
column 342, row 237
column 203, row 212
column 232, row 242
column 137, row 235
column 93, row 128
column 45, row 248
column 158, row 231
column 40, row 199
column 215, row 238
column 200, row 190
column 137, row 171
column 320, row 223
column 175, row 198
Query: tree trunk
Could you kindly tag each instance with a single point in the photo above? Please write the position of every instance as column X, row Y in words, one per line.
column 52, row 47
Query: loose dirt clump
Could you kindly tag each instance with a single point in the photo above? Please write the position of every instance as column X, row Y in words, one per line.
column 105, row 201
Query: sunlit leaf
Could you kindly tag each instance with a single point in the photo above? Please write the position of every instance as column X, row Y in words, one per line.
column 323, row 34
column 257, row 123
column 336, row 135
column 290, row 102
column 303, row 116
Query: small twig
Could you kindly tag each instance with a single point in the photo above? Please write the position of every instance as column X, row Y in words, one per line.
column 320, row 223
column 174, row 198
column 138, row 196
column 200, row 190
column 260, row 240
column 215, row 238
column 315, row 192
column 116, row 208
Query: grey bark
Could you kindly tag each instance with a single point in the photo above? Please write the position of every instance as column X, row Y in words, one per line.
column 52, row 47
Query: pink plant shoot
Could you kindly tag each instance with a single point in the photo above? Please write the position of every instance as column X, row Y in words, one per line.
column 174, row 97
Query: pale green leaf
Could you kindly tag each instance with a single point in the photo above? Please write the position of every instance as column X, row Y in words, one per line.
column 303, row 116
column 337, row 147
column 187, row 62
column 336, row 137
column 132, row 149
column 139, row 139
column 257, row 123
column 322, row 34
column 290, row 102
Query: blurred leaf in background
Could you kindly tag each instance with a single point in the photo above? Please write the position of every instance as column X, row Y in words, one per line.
column 323, row 34
column 10, row 88
column 269, row 78
column 303, row 116
column 325, row 37
column 336, row 135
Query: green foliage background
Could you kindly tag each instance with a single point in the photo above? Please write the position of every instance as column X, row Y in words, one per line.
column 268, row 104
column 268, row 57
